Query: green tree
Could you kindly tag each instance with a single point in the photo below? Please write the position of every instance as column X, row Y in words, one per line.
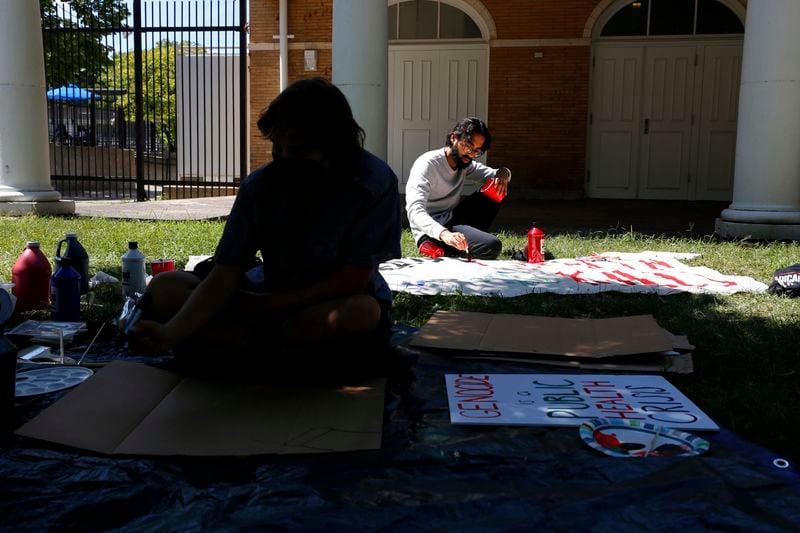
column 158, row 85
column 79, row 57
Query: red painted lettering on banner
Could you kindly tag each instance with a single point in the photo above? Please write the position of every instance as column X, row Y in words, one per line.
column 608, row 395
column 591, row 264
column 623, row 414
column 597, row 384
column 575, row 275
column 476, row 397
column 676, row 280
column 654, row 264
column 609, row 407
column 603, row 390
column 489, row 406
column 643, row 281
column 467, row 396
column 721, row 282
column 480, row 414
column 473, row 385
column 613, row 401
column 614, row 277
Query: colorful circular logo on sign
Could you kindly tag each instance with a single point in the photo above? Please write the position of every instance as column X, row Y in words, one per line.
column 634, row 438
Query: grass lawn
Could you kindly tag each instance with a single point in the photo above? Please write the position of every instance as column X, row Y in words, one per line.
column 747, row 356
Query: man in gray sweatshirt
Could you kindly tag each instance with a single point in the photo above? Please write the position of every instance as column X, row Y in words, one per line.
column 438, row 215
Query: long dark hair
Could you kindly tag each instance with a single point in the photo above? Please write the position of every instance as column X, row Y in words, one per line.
column 315, row 114
column 466, row 127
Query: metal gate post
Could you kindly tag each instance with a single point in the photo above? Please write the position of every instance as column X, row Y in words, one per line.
column 243, row 118
column 139, row 99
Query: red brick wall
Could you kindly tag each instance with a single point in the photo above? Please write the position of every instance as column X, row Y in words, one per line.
column 265, row 84
column 310, row 22
column 540, row 19
column 537, row 112
column 537, row 106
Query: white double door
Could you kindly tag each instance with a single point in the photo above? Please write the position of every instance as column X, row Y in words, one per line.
column 663, row 120
column 430, row 90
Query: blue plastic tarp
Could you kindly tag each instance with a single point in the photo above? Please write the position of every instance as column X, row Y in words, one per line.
column 429, row 475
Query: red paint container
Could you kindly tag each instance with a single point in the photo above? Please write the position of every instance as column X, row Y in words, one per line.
column 490, row 189
column 535, row 245
column 430, row 249
column 31, row 278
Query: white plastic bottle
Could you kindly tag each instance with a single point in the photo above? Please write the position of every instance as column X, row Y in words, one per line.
column 134, row 275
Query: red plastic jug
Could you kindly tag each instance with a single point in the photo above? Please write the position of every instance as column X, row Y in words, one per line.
column 31, row 278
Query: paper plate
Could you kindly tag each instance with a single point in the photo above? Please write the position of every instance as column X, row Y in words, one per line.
column 635, row 438
column 50, row 379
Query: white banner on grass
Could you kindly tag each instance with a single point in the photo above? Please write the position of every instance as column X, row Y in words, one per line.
column 648, row 272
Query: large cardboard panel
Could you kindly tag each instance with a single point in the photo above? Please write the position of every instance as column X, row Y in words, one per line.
column 135, row 409
column 676, row 364
column 456, row 330
column 576, row 337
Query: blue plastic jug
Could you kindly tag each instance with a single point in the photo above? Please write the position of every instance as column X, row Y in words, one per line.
column 80, row 259
column 65, row 292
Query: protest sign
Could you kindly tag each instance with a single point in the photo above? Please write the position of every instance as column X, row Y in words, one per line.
column 569, row 400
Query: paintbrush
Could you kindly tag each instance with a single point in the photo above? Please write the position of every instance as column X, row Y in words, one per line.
column 653, row 442
column 136, row 314
column 91, row 343
column 61, row 343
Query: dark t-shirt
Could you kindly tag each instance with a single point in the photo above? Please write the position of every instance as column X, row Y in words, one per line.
column 308, row 222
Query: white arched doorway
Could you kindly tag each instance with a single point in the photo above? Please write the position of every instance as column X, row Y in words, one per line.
column 664, row 99
column 438, row 74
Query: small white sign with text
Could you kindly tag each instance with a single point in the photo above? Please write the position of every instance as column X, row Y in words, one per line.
column 569, row 400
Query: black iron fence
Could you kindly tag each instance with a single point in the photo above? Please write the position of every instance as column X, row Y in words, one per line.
column 146, row 104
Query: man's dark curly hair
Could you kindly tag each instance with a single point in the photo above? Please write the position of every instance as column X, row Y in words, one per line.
column 466, row 127
column 315, row 114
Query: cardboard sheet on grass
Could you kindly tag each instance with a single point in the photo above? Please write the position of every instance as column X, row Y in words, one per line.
column 135, row 409
column 647, row 272
column 634, row 343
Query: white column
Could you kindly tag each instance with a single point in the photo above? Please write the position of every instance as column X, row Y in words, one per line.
column 360, row 65
column 283, row 39
column 766, row 186
column 24, row 158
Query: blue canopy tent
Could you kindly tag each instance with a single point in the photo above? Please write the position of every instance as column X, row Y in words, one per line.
column 72, row 94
